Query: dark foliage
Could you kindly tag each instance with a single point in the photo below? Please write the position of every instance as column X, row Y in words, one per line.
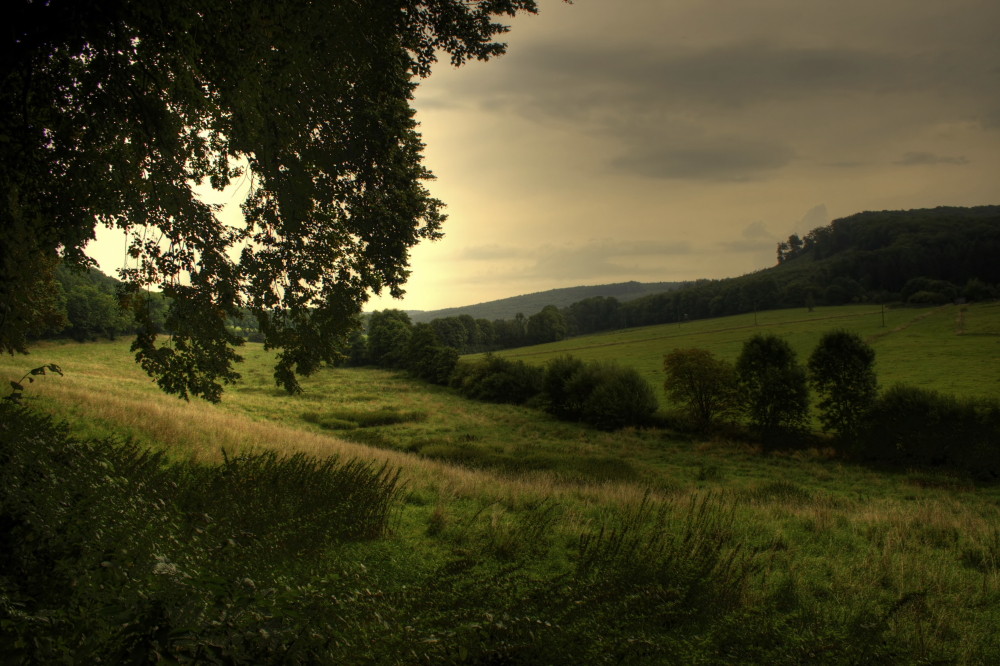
column 604, row 395
column 109, row 111
column 773, row 388
column 497, row 379
column 555, row 386
column 842, row 370
column 110, row 554
column 910, row 426
column 704, row 384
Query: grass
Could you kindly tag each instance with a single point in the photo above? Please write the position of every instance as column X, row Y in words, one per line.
column 825, row 550
column 954, row 348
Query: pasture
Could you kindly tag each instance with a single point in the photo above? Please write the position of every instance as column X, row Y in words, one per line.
column 836, row 562
column 953, row 348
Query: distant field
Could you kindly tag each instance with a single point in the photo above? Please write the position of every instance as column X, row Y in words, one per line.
column 953, row 348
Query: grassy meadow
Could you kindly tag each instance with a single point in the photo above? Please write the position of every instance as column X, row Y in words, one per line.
column 813, row 557
column 953, row 348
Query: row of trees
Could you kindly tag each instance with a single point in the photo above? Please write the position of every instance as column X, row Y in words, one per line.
column 86, row 305
column 770, row 389
column 601, row 394
column 769, row 386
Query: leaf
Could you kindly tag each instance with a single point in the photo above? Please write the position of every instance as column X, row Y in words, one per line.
column 17, row 387
column 55, row 368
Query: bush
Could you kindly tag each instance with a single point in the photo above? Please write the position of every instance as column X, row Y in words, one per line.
column 497, row 379
column 435, row 364
column 914, row 426
column 603, row 395
column 621, row 398
column 558, row 372
column 842, row 370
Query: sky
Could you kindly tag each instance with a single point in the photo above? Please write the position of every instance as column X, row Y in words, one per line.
column 668, row 140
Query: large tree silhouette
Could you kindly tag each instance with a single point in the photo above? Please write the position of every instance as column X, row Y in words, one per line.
column 112, row 111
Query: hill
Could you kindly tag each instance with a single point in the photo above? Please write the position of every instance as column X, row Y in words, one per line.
column 963, row 338
column 528, row 304
column 918, row 257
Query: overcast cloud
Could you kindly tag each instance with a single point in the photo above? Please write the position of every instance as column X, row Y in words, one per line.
column 658, row 141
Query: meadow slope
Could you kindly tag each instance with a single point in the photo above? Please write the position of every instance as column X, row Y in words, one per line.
column 832, row 549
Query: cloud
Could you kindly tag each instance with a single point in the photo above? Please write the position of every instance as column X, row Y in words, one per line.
column 595, row 259
column 757, row 231
column 491, row 252
column 720, row 159
column 817, row 216
column 755, row 238
column 584, row 80
column 917, row 159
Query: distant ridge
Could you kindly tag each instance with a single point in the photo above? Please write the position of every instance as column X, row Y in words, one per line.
column 529, row 304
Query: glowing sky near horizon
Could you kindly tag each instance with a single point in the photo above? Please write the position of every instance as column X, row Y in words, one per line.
column 658, row 140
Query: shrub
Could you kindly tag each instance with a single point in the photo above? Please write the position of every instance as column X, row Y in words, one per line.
column 604, row 395
column 914, row 426
column 558, row 372
column 620, row 398
column 497, row 379
column 435, row 364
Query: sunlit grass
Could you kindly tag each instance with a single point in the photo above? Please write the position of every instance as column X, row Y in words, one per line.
column 953, row 348
column 826, row 533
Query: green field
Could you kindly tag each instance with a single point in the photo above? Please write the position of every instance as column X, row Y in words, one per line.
column 835, row 563
column 954, row 349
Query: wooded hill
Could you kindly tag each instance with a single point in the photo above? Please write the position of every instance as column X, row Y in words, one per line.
column 918, row 256
column 526, row 304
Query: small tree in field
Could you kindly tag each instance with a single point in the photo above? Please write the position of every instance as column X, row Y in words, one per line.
column 842, row 370
column 773, row 386
column 704, row 384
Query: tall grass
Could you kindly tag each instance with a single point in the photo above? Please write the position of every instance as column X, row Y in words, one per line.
column 737, row 556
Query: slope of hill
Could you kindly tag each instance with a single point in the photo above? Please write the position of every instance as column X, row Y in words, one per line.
column 919, row 257
column 529, row 304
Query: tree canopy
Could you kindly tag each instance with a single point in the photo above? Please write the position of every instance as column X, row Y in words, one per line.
column 773, row 384
column 112, row 113
column 842, row 370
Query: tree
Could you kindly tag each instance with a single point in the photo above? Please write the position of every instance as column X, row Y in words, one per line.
column 706, row 385
column 548, row 325
column 842, row 370
column 389, row 333
column 113, row 113
column 558, row 373
column 427, row 358
column 772, row 384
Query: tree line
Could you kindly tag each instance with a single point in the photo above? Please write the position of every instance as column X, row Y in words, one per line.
column 768, row 390
column 919, row 257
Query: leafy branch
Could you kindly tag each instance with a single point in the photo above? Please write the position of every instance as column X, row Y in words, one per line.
column 17, row 388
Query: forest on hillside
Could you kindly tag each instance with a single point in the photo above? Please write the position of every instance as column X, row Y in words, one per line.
column 916, row 257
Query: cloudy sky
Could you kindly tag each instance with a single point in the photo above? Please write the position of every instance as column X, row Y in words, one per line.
column 660, row 140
